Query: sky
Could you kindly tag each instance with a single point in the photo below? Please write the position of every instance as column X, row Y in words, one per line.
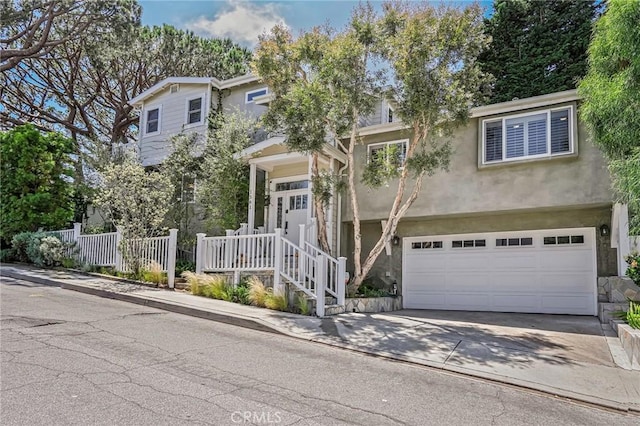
column 243, row 21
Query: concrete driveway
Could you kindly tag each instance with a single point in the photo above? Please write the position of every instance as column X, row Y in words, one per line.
column 555, row 353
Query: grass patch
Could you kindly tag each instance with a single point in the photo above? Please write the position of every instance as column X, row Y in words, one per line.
column 257, row 291
column 276, row 301
column 302, row 305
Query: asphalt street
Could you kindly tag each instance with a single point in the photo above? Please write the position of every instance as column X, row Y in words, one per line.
column 73, row 359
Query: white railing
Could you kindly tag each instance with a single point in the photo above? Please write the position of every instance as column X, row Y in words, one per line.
column 98, row 249
column 300, row 268
column 255, row 252
column 151, row 252
column 305, row 266
column 311, row 232
column 104, row 250
column 335, row 272
column 65, row 235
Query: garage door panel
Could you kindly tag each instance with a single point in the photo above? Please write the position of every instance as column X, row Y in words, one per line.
column 422, row 281
column 570, row 304
column 508, row 260
column 504, row 277
column 421, row 300
column 516, row 302
column 421, row 264
column 470, row 261
column 516, row 282
column 565, row 260
column 469, row 281
column 564, row 282
column 467, row 301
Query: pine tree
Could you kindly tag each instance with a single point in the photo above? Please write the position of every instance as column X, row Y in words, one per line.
column 538, row 47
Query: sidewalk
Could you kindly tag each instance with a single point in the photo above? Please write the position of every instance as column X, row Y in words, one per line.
column 561, row 355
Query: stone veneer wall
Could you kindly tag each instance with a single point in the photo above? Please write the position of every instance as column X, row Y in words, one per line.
column 373, row 304
column 617, row 289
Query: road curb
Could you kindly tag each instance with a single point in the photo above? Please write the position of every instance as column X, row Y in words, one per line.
column 225, row 318
column 259, row 325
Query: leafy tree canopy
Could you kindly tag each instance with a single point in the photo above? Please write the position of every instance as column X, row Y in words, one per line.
column 36, row 176
column 538, row 47
column 422, row 58
column 611, row 91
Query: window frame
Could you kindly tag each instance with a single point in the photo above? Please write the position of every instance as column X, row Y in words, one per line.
column 203, row 110
column 503, row 120
column 252, row 92
column 145, row 116
column 382, row 144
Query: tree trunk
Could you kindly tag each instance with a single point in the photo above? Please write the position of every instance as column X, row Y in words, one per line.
column 321, row 218
column 397, row 211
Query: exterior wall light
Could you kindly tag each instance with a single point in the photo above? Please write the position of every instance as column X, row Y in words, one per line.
column 395, row 240
column 604, row 230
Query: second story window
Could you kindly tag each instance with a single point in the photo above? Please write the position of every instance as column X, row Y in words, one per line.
column 388, row 153
column 253, row 94
column 194, row 111
column 535, row 135
column 152, row 124
column 389, row 115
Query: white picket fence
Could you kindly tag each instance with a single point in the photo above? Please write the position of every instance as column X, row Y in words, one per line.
column 105, row 250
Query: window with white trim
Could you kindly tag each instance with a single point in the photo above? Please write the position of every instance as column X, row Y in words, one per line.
column 194, row 110
column 540, row 134
column 388, row 152
column 389, row 115
column 152, row 121
column 253, row 94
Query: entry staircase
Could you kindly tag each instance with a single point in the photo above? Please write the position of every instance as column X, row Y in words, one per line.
column 304, row 266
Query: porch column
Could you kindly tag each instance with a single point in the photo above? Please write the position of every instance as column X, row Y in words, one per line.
column 252, row 197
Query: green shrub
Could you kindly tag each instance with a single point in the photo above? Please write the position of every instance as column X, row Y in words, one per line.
column 276, row 301
column 633, row 315
column 7, row 255
column 302, row 304
column 633, row 271
column 211, row 286
column 241, row 294
column 257, row 291
column 68, row 262
column 366, row 291
column 154, row 274
column 20, row 244
column 51, row 251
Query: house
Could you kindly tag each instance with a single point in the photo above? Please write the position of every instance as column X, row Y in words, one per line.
column 524, row 221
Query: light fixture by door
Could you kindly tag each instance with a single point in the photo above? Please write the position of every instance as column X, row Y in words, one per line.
column 604, row 230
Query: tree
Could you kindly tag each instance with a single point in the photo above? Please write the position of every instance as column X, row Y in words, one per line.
column 81, row 83
column 136, row 201
column 538, row 47
column 611, row 92
column 34, row 28
column 422, row 58
column 36, row 176
column 223, row 190
column 183, row 169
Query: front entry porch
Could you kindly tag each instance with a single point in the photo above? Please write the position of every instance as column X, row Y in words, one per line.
column 305, row 267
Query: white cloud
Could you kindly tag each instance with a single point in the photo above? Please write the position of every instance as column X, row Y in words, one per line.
column 241, row 21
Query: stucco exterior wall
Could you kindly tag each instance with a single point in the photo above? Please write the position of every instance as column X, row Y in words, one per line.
column 516, row 221
column 173, row 118
column 235, row 97
column 468, row 188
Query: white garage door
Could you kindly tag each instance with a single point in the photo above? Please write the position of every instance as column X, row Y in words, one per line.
column 543, row 271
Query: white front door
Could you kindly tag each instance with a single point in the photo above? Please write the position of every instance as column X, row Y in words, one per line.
column 290, row 208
